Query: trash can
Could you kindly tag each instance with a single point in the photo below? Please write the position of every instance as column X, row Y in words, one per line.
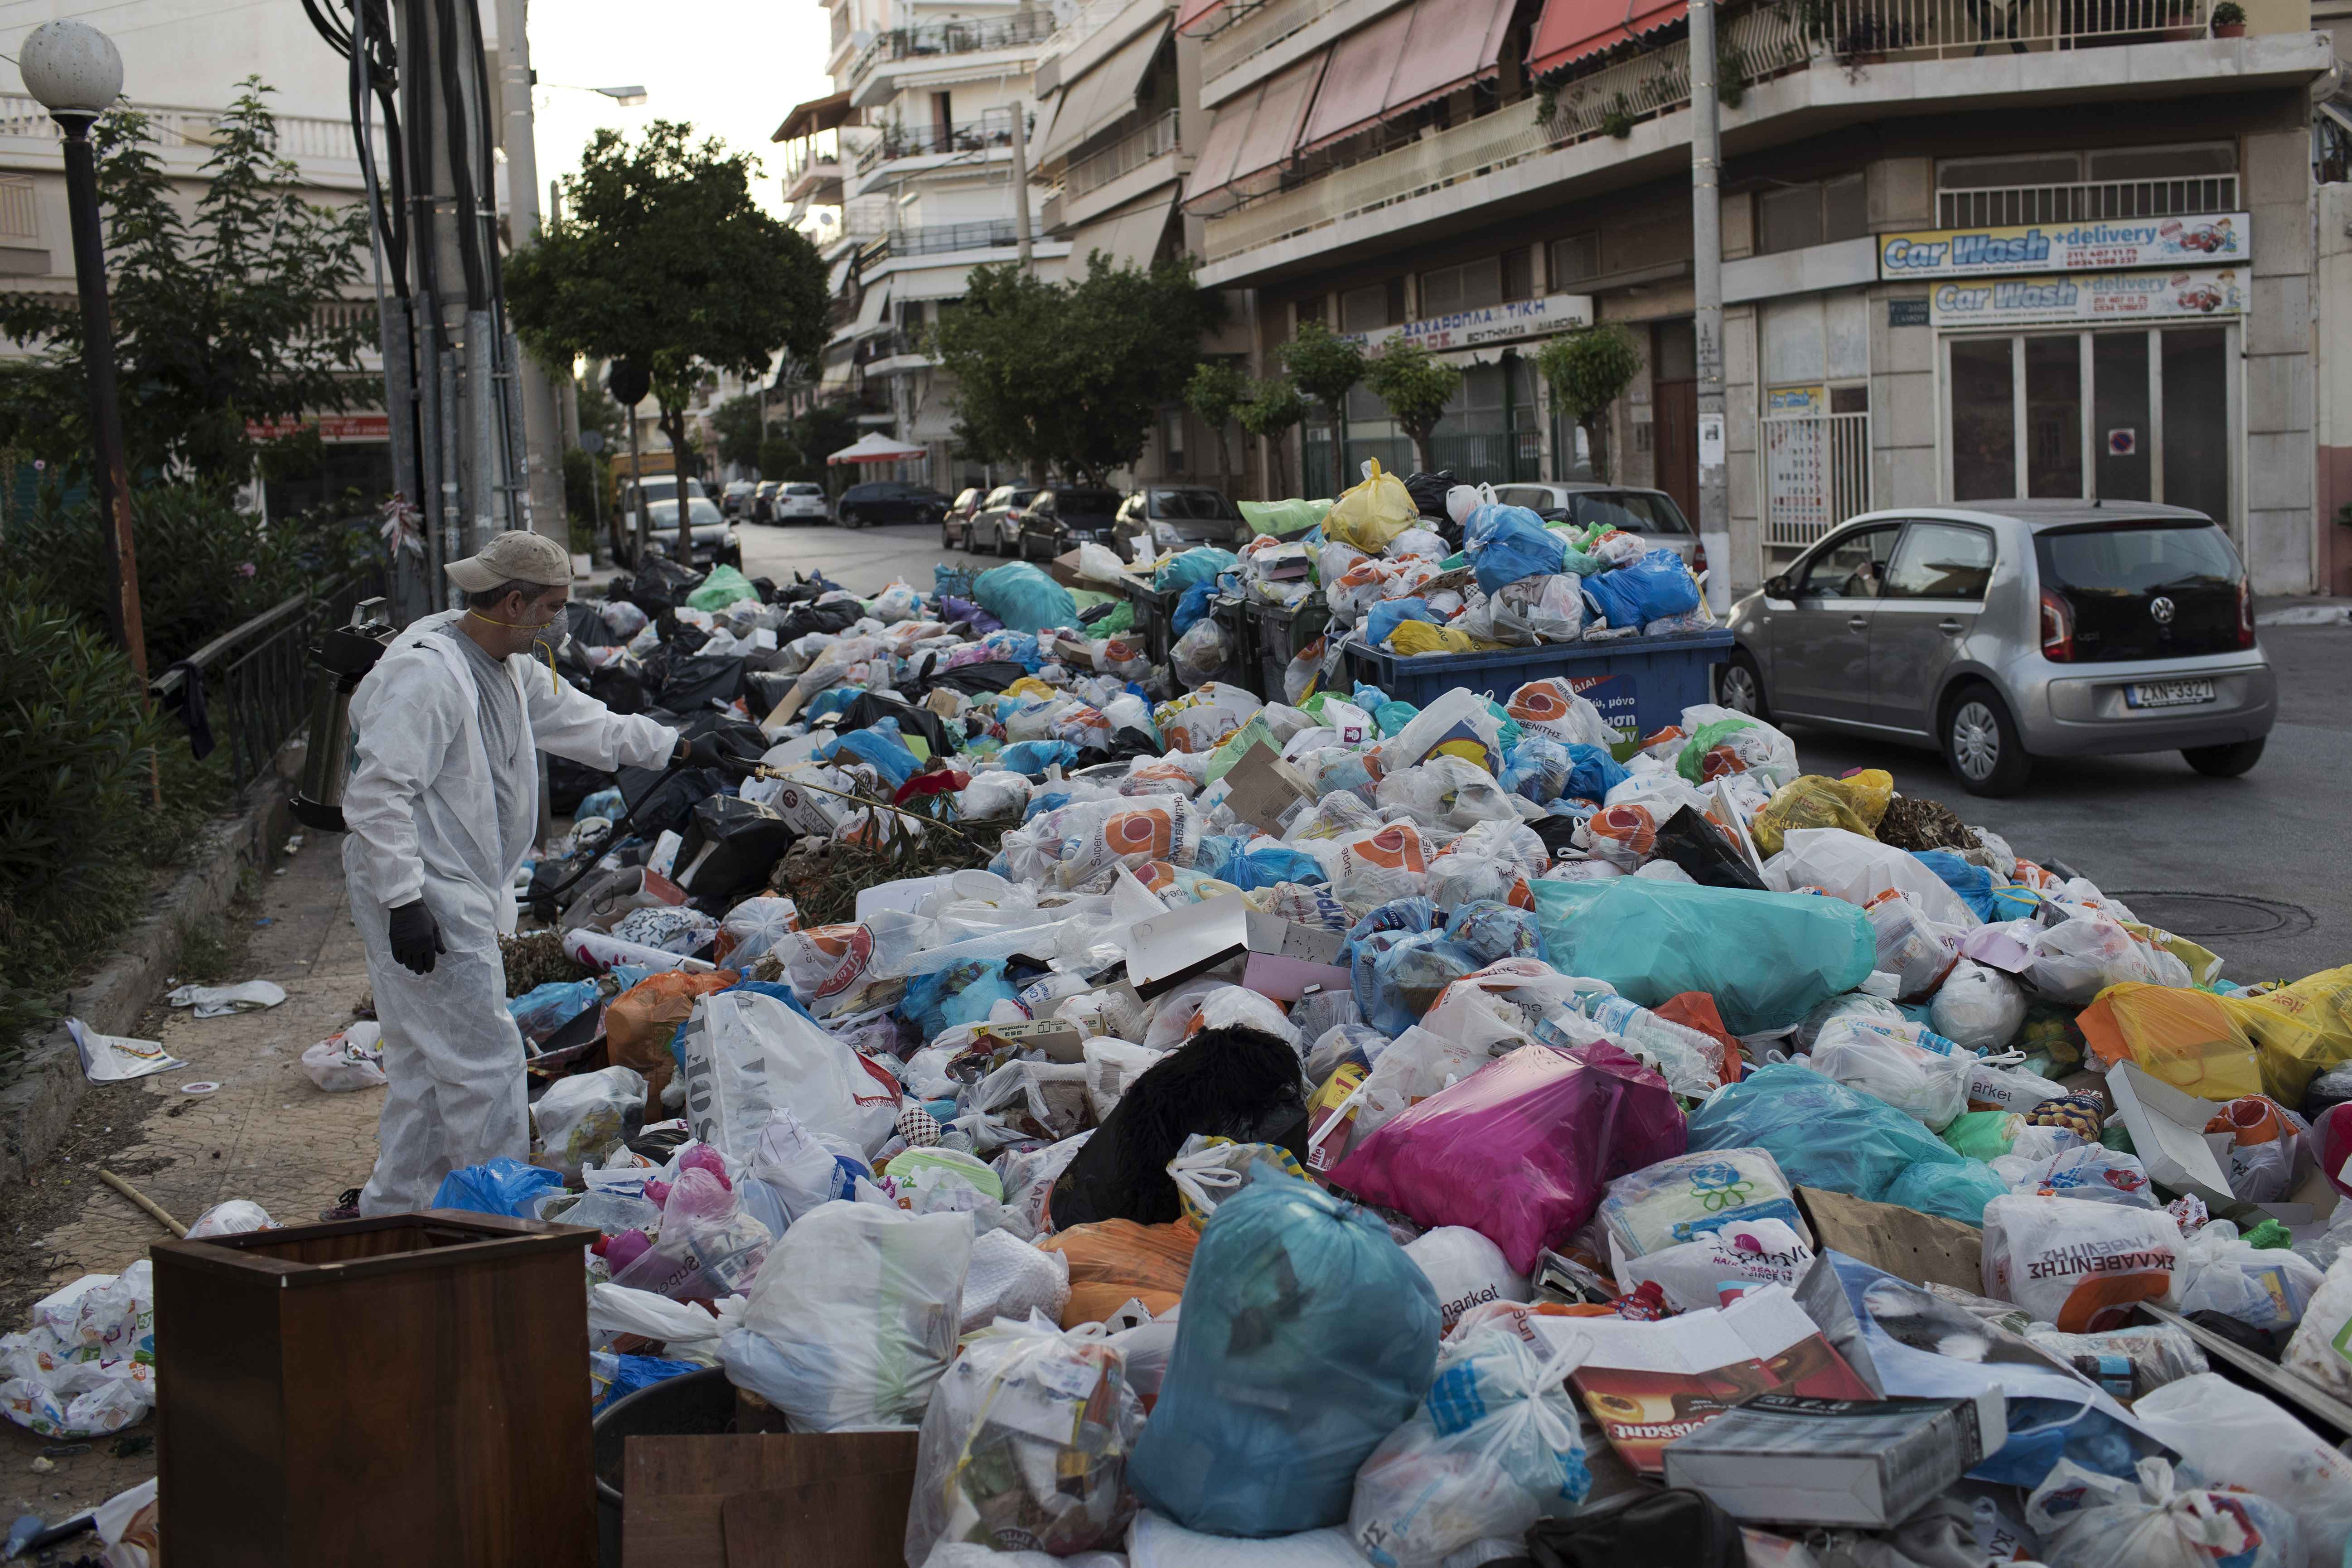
column 691, row 1402
column 411, row 1388
column 1155, row 614
column 1282, row 634
column 1243, row 666
column 1638, row 683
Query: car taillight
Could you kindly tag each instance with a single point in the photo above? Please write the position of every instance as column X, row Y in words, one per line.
column 1699, row 558
column 2245, row 611
column 2057, row 629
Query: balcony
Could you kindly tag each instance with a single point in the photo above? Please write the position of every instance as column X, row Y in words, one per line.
column 2019, row 205
column 1155, row 139
column 989, row 134
column 962, row 37
column 326, row 149
column 812, row 172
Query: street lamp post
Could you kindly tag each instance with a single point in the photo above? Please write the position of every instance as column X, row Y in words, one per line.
column 74, row 70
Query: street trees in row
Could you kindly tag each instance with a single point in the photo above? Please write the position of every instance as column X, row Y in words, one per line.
column 1068, row 375
column 1588, row 369
column 661, row 259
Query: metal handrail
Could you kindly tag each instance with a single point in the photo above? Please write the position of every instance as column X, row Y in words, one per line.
column 989, row 133
column 1153, row 139
column 951, row 38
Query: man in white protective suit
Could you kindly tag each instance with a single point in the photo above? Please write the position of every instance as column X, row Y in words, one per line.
column 441, row 807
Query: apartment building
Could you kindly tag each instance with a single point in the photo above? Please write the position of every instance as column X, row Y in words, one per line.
column 1973, row 248
column 920, row 151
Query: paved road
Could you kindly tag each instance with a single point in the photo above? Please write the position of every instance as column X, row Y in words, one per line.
column 862, row 560
column 2150, row 825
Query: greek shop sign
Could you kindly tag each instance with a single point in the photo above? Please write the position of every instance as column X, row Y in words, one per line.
column 1516, row 321
column 2099, row 245
column 2088, row 296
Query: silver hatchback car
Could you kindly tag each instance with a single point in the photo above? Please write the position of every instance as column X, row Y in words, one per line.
column 1651, row 514
column 2045, row 629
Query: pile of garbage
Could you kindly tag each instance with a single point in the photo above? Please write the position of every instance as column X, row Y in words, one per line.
column 1408, row 1135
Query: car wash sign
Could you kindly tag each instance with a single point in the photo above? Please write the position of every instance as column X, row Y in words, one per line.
column 2089, row 297
column 1517, row 321
column 2104, row 244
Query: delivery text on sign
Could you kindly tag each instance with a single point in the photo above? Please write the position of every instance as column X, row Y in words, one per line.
column 2065, row 247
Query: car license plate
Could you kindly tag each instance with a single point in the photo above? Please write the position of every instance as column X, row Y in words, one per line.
column 2167, row 693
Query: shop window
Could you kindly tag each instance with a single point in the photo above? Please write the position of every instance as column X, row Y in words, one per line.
column 2053, row 417
column 1676, row 346
column 1850, row 399
column 1309, row 310
column 1574, row 260
column 1518, row 274
column 1790, row 217
column 1469, row 287
column 1992, row 173
column 1845, row 209
column 2164, row 163
column 1364, row 310
column 2195, row 371
column 1984, row 420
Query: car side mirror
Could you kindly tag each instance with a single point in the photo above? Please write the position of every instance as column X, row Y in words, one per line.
column 1777, row 587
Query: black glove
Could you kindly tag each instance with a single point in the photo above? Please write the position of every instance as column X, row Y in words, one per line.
column 416, row 938
column 703, row 752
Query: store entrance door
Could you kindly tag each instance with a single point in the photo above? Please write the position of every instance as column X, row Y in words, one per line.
column 1674, row 398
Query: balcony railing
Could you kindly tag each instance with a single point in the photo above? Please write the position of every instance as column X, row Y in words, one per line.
column 303, row 138
column 1154, row 139
column 1862, row 31
column 952, row 38
column 2079, row 204
column 17, row 217
column 982, row 136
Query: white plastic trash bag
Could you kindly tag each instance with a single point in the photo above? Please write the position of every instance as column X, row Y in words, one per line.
column 233, row 1218
column 1931, row 1089
column 353, row 1060
column 1744, row 1252
column 2089, row 1520
column 2321, row 1350
column 86, row 1367
column 747, row 1054
column 2081, row 1266
column 853, row 1316
column 220, row 1001
column 1977, row 1007
column 1494, row 1447
column 1010, row 1278
column 2227, row 1436
column 1466, row 1270
column 581, row 1120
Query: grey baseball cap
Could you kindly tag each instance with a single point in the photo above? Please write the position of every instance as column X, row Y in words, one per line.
column 514, row 556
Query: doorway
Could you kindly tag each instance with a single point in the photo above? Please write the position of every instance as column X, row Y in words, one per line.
column 1673, row 398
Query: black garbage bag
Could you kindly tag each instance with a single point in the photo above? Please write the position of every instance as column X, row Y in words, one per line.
column 737, row 737
column 570, row 783
column 659, row 586
column 588, row 626
column 696, row 680
column 662, row 802
column 971, row 679
column 912, row 721
column 1428, row 491
column 763, row 689
column 1700, row 848
column 731, row 847
column 1559, row 833
column 807, row 618
column 1237, row 1082
column 620, row 685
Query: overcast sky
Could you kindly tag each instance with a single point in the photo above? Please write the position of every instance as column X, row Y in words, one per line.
column 733, row 69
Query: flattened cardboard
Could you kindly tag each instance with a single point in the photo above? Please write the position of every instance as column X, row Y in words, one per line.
column 1266, row 792
column 1167, row 950
column 2168, row 1132
column 1064, row 569
column 1061, row 1042
column 1922, row 1248
column 1286, row 979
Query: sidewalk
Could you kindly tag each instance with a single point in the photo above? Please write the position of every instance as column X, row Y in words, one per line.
column 267, row 1133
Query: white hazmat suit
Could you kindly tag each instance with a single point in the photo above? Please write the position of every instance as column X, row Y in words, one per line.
column 423, row 812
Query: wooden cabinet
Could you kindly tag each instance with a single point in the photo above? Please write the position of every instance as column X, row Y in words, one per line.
column 405, row 1390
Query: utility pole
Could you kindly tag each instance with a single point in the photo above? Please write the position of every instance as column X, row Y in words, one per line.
column 1021, row 183
column 542, row 426
column 1706, row 276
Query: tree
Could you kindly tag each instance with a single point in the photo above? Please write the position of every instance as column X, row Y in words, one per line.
column 242, row 314
column 1416, row 386
column 1215, row 393
column 825, row 428
column 1273, row 406
column 742, row 431
column 661, row 259
column 1589, row 368
column 779, row 458
column 1069, row 374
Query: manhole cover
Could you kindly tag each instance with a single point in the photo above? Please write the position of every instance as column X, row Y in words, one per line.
column 2218, row 914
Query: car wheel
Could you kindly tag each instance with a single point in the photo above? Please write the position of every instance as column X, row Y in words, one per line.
column 1982, row 745
column 946, row 535
column 1742, row 686
column 2225, row 761
column 850, row 518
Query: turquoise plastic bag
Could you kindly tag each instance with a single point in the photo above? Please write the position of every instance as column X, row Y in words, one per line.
column 724, row 587
column 1199, row 564
column 1766, row 958
column 1304, row 1306
column 1824, row 1134
column 500, row 1186
column 1023, row 598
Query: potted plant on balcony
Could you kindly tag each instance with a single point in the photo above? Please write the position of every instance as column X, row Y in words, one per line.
column 2228, row 19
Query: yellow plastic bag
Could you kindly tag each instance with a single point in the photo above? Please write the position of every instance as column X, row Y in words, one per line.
column 2203, row 963
column 1370, row 514
column 2190, row 1039
column 1419, row 636
column 2301, row 1030
column 1809, row 800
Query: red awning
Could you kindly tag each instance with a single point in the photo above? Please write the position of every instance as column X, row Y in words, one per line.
column 1572, row 30
column 1253, row 135
column 1191, row 12
column 1404, row 59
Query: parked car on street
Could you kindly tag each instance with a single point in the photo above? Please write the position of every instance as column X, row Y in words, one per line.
column 1651, row 514
column 715, row 543
column 763, row 502
column 2015, row 630
column 955, row 523
column 887, row 500
column 799, row 501
column 1064, row 518
column 736, row 497
column 992, row 529
column 1179, row 517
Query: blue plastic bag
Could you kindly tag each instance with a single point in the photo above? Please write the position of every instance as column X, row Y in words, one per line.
column 1197, row 565
column 1396, row 978
column 1973, row 883
column 1766, row 958
column 1824, row 1134
column 502, row 1186
column 1307, row 1304
column 1392, row 716
column 543, row 1009
column 1406, row 915
column 1648, row 588
column 877, row 743
column 1596, row 773
column 1192, row 606
column 1217, row 856
column 1023, row 598
column 623, row 1375
column 605, row 803
column 1383, row 619
column 832, row 699
column 1537, row 768
column 1506, row 543
column 1495, row 930
column 1036, row 756
column 1271, row 863
column 962, row 993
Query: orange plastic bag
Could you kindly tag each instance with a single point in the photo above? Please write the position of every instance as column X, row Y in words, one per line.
column 2190, row 1039
column 641, row 1020
column 1114, row 1260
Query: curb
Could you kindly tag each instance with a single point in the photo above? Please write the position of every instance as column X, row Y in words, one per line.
column 46, row 1086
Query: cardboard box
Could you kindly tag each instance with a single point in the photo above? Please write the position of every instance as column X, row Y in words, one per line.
column 1266, row 792
column 2168, row 1132
column 1287, row 979
column 1165, row 951
column 1923, row 1248
column 1786, row 1459
column 1062, row 1042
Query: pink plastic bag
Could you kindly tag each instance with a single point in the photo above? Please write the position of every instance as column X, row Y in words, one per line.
column 1522, row 1149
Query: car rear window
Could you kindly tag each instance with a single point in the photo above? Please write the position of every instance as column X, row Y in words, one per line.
column 2112, row 575
column 1636, row 511
column 1198, row 505
column 802, row 491
column 1090, row 502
